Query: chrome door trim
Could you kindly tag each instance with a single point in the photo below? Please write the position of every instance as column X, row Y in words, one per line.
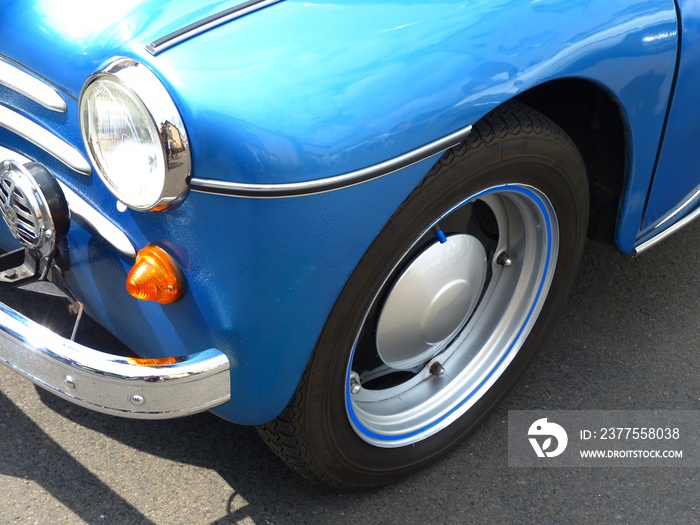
column 688, row 203
column 666, row 233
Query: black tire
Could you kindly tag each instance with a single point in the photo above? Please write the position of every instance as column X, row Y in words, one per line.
column 516, row 182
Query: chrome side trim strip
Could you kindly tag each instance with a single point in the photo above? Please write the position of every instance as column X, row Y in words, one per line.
column 666, row 233
column 31, row 87
column 683, row 206
column 45, row 140
column 206, row 24
column 111, row 233
column 112, row 384
column 297, row 189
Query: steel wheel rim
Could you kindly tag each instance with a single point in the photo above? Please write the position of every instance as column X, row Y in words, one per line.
column 392, row 408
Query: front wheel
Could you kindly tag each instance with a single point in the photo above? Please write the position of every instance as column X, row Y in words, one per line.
column 445, row 309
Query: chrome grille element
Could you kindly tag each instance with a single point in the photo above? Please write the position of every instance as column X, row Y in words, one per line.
column 18, row 215
column 48, row 134
column 33, row 206
column 31, row 87
column 44, row 139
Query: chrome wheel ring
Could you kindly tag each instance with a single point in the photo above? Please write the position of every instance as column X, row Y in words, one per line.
column 451, row 315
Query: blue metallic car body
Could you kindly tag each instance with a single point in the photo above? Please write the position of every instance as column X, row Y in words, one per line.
column 304, row 91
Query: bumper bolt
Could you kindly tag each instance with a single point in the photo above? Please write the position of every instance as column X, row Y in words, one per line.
column 137, row 399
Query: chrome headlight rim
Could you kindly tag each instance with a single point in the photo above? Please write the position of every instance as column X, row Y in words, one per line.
column 151, row 96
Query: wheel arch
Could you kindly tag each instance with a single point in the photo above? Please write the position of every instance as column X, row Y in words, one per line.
column 593, row 120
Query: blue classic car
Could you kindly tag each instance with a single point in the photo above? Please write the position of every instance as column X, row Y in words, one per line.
column 350, row 224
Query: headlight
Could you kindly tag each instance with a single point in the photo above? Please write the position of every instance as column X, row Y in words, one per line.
column 135, row 137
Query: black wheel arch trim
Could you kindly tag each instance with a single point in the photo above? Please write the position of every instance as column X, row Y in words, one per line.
column 298, row 189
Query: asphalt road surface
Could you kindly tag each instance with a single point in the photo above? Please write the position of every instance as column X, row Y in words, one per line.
column 629, row 338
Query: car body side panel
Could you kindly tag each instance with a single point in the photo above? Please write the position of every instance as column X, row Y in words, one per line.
column 678, row 172
column 307, row 90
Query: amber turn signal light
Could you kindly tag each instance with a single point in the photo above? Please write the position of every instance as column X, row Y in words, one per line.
column 161, row 361
column 155, row 276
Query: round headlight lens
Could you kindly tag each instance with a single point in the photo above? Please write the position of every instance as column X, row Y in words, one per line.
column 135, row 137
column 123, row 143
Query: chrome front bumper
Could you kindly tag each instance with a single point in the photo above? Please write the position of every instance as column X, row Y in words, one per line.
column 120, row 386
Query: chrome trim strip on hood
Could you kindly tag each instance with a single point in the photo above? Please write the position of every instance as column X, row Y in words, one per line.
column 298, row 189
column 31, row 87
column 206, row 24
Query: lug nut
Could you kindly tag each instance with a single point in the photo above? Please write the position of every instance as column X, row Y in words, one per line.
column 437, row 369
column 355, row 385
column 504, row 260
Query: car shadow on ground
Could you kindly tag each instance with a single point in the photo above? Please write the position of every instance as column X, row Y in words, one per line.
column 37, row 457
column 205, row 441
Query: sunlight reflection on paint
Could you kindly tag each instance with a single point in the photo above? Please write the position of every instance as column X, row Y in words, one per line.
column 83, row 18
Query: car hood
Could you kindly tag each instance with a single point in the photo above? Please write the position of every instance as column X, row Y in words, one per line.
column 66, row 42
